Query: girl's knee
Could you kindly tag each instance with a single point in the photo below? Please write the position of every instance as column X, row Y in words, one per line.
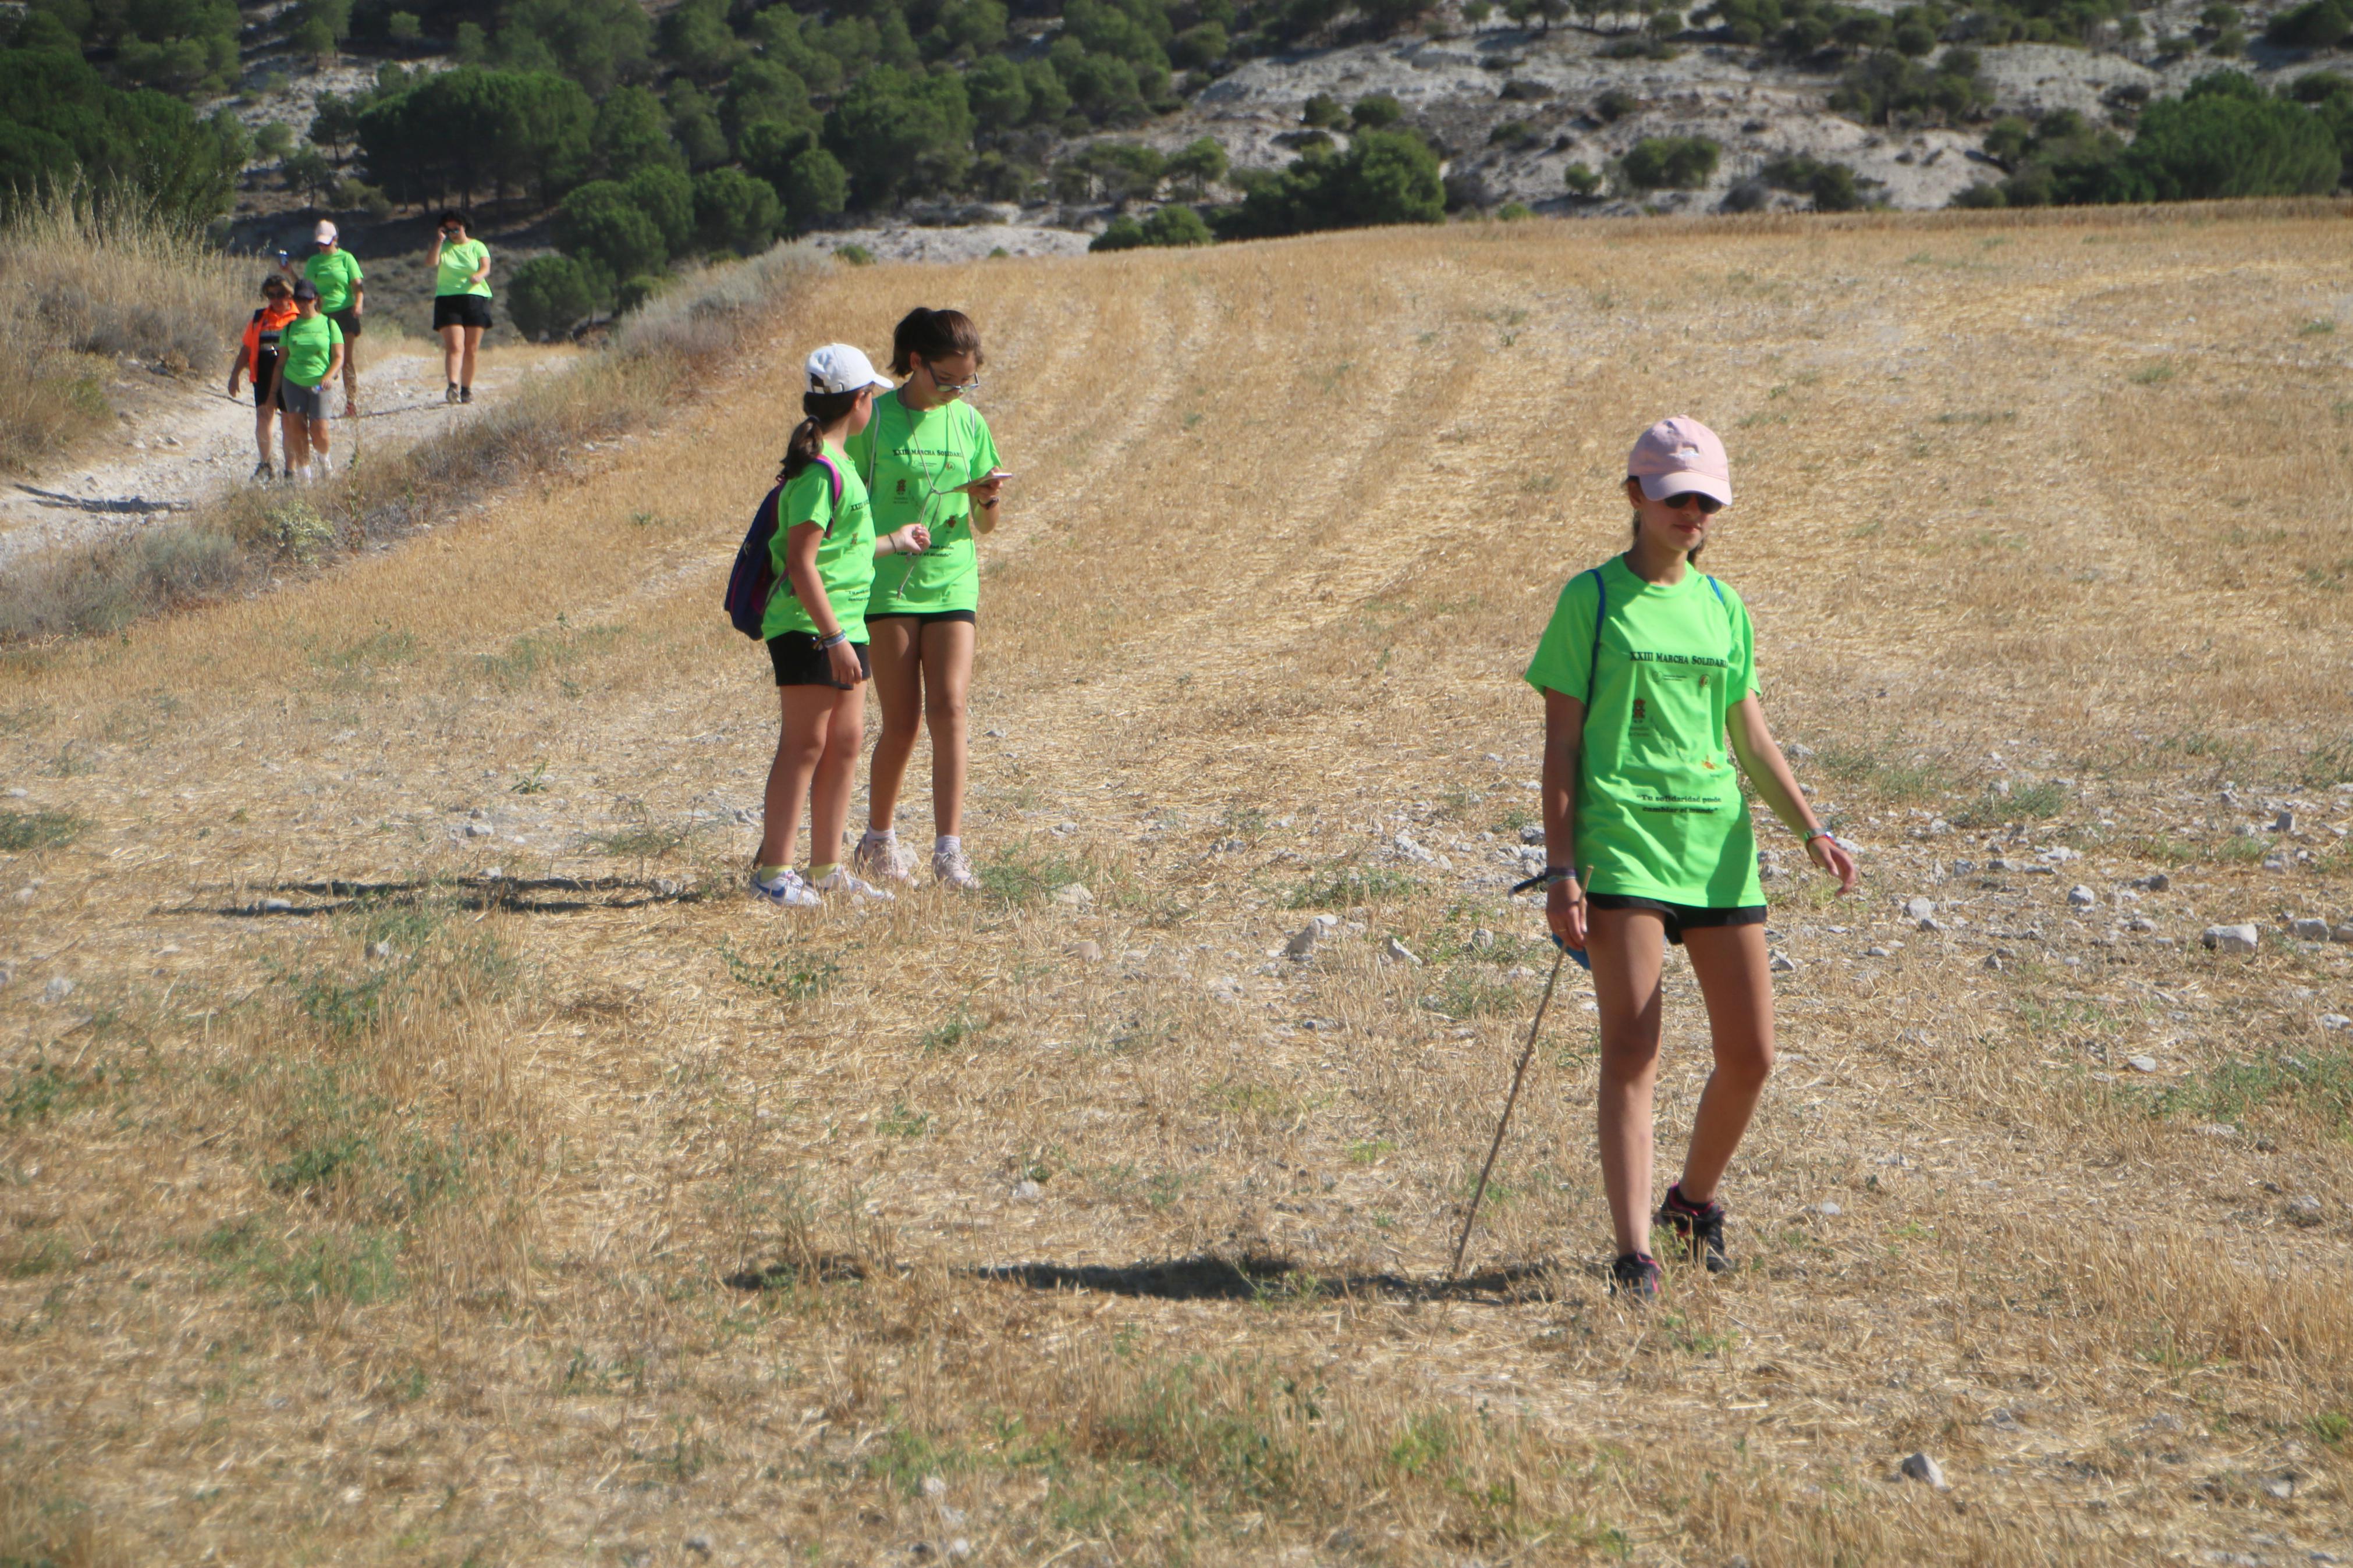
column 1747, row 1064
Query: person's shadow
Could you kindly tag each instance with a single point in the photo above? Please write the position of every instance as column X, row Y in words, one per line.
column 1203, row 1277
column 118, row 506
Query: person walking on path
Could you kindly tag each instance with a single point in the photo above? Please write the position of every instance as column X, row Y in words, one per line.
column 461, row 302
column 927, row 459
column 334, row 272
column 1646, row 669
column 256, row 357
column 311, row 347
column 823, row 553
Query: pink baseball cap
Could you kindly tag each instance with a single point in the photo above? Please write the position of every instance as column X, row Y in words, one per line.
column 1680, row 455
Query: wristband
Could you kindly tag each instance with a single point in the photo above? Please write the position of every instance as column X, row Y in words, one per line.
column 1546, row 878
column 836, row 640
column 1820, row 832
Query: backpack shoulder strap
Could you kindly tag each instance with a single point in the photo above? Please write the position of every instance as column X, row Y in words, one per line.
column 834, row 474
column 1600, row 612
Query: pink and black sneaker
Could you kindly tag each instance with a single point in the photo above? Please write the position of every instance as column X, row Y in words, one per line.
column 1700, row 1225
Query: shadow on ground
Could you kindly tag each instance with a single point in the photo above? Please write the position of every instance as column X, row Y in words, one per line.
column 522, row 895
column 1251, row 1277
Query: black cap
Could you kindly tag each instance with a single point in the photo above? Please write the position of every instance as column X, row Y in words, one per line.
column 305, row 290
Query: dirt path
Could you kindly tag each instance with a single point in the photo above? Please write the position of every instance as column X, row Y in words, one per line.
column 180, row 441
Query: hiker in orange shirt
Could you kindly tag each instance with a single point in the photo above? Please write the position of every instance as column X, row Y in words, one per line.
column 256, row 357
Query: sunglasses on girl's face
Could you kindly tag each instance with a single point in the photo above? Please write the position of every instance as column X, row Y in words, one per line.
column 1708, row 505
column 946, row 385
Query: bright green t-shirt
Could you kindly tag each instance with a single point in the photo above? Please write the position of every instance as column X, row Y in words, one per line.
column 333, row 273
column 309, row 347
column 1659, row 809
column 456, row 272
column 911, row 463
column 845, row 556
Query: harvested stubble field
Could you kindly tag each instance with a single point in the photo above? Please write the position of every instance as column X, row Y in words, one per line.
column 415, row 1152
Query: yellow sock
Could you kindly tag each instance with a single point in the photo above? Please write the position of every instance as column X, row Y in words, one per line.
column 768, row 873
column 819, row 873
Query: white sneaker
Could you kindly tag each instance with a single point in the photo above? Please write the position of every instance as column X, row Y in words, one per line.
column 951, row 869
column 325, row 464
column 839, row 880
column 881, row 857
column 785, row 890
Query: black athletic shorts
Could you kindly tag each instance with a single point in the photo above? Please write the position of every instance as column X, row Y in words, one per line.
column 923, row 617
column 349, row 320
column 264, row 395
column 460, row 310
column 1680, row 918
column 800, row 662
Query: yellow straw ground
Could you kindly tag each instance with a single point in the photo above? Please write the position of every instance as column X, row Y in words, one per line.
column 542, row 1200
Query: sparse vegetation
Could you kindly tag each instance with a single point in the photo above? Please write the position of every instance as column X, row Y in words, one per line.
column 359, row 1168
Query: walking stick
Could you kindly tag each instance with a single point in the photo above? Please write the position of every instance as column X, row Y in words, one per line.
column 1527, row 1054
column 1521, row 1072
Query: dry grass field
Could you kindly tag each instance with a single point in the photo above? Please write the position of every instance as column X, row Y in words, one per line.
column 414, row 1149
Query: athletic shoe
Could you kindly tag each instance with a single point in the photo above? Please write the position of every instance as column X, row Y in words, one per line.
column 449, row 394
column 263, row 473
column 465, row 395
column 324, row 465
column 951, row 869
column 881, row 857
column 786, row 890
column 1635, row 1275
column 1700, row 1225
column 839, row 880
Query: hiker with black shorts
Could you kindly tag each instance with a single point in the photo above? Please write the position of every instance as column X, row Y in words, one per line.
column 257, row 358
column 335, row 273
column 822, row 557
column 1646, row 669
column 461, row 302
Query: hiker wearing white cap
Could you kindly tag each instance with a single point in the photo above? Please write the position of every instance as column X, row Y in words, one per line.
column 1647, row 671
column 334, row 272
column 927, row 457
column 822, row 553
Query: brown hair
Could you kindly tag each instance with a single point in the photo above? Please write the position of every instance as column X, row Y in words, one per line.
column 1692, row 555
column 274, row 287
column 806, row 441
column 928, row 334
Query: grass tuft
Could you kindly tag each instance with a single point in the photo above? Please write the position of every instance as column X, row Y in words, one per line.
column 42, row 829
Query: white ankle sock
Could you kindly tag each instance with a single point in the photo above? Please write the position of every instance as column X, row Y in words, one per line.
column 948, row 844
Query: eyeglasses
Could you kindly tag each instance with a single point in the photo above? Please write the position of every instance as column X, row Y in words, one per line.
column 1708, row 505
column 949, row 386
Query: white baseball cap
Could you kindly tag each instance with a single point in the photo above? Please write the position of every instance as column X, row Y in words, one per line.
column 840, row 367
column 324, row 233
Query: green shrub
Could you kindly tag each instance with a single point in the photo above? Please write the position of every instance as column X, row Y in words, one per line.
column 734, row 211
column 2318, row 25
column 1834, row 187
column 1884, row 88
column 1385, row 176
column 549, row 295
column 1375, row 110
column 1671, row 163
column 1512, row 212
column 599, row 221
column 1323, row 112
column 1580, row 179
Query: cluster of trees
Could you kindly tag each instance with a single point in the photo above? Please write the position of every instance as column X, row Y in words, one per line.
column 1887, row 88
column 2224, row 137
column 61, row 121
column 173, row 45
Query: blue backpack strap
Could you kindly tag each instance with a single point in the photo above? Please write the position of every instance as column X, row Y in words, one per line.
column 1600, row 611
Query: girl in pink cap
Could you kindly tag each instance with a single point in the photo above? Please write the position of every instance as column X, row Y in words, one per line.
column 1648, row 673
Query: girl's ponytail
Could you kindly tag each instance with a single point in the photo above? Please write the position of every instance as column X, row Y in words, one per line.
column 808, row 440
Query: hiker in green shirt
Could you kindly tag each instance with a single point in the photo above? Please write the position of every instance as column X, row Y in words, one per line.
column 461, row 302
column 823, row 553
column 927, row 459
column 310, row 347
column 334, row 272
column 1648, row 675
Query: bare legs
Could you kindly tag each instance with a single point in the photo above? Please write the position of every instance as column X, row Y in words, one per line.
column 1629, row 949
column 263, row 417
column 459, row 346
column 817, row 762
column 923, row 674
column 295, row 430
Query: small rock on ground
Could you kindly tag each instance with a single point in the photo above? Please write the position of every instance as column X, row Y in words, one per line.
column 2141, row 1064
column 1397, row 949
column 1075, row 895
column 1921, row 1467
column 2308, row 930
column 2304, row 1209
column 1783, row 963
column 1086, row 952
column 2080, row 897
column 1919, row 909
column 2232, row 939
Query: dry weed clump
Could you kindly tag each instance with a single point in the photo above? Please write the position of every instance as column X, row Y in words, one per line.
column 84, row 285
column 601, row 1216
